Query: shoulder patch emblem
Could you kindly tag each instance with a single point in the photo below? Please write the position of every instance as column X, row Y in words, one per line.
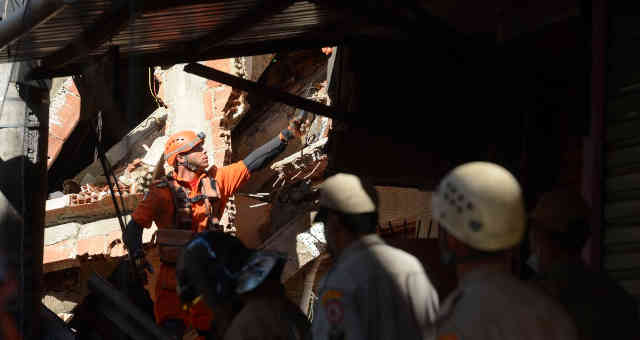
column 332, row 302
column 335, row 311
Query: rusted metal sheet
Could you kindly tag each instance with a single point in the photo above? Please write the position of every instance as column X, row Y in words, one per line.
column 158, row 30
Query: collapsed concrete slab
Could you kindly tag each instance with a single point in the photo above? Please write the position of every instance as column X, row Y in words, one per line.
column 132, row 146
column 66, row 245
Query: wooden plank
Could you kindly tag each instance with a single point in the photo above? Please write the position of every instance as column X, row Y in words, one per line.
column 619, row 275
column 621, row 261
column 623, row 183
column 274, row 94
column 623, row 248
column 620, row 196
column 625, row 187
column 622, row 143
column 622, row 210
column 623, row 130
column 623, row 108
column 623, row 157
column 631, row 286
column 629, row 234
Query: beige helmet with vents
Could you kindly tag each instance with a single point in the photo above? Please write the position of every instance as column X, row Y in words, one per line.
column 481, row 205
column 348, row 194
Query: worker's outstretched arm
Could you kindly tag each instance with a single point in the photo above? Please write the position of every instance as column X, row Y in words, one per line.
column 263, row 155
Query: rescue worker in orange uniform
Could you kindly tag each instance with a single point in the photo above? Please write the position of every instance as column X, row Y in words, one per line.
column 189, row 200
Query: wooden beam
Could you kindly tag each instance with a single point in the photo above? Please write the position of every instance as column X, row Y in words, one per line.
column 261, row 12
column 277, row 95
column 316, row 40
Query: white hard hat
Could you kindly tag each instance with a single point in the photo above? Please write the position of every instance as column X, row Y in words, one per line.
column 348, row 194
column 481, row 205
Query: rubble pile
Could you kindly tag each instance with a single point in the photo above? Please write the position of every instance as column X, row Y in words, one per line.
column 88, row 194
column 137, row 176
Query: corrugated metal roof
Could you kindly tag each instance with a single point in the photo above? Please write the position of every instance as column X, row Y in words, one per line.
column 164, row 30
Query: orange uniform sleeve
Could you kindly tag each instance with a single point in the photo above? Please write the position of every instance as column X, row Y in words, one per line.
column 145, row 211
column 231, row 177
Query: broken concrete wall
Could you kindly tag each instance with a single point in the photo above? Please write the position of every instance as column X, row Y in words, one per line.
column 64, row 114
column 136, row 144
column 199, row 104
column 66, row 245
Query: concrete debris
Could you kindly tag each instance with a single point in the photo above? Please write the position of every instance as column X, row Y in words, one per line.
column 67, row 245
column 152, row 157
column 89, row 211
column 137, row 176
column 129, row 148
column 299, row 240
column 57, row 203
column 65, row 316
column 85, row 194
column 310, row 162
column 56, row 194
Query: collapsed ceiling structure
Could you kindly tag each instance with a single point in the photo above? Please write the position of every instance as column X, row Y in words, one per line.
column 400, row 116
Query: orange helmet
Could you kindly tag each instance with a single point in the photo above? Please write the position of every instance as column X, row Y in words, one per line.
column 181, row 142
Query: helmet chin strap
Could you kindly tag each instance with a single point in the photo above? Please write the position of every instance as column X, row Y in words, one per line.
column 190, row 165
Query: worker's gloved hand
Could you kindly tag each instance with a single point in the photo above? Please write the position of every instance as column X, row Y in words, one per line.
column 142, row 266
column 299, row 123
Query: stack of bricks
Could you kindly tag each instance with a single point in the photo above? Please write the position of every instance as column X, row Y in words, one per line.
column 91, row 194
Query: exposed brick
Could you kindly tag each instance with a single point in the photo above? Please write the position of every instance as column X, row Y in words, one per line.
column 219, row 157
column 62, row 123
column 59, row 252
column 72, row 87
column 92, row 246
column 221, row 97
column 223, row 65
column 208, row 104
